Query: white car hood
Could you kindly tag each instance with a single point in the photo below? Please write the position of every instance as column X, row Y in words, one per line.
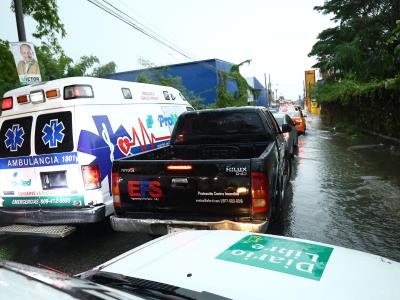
column 241, row 265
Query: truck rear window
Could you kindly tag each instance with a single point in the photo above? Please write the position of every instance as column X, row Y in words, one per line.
column 53, row 133
column 16, row 137
column 218, row 126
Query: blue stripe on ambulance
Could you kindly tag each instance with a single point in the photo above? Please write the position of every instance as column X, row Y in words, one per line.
column 45, row 160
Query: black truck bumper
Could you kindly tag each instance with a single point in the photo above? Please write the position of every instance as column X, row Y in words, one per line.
column 160, row 227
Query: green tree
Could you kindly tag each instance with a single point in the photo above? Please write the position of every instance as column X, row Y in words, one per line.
column 357, row 48
column 48, row 23
column 53, row 61
column 394, row 40
column 226, row 99
column 8, row 73
column 156, row 75
column 103, row 70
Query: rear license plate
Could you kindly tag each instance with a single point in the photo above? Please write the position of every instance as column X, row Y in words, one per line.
column 53, row 180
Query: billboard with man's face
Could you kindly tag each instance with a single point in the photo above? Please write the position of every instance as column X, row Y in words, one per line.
column 26, row 62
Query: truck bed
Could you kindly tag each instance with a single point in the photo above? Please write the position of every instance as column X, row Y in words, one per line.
column 204, row 151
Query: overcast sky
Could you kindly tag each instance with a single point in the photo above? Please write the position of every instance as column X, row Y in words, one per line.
column 275, row 35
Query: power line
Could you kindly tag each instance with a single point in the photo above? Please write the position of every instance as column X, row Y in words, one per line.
column 117, row 14
column 153, row 32
column 127, row 19
column 136, row 27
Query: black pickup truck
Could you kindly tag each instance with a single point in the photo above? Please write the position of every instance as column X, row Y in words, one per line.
column 224, row 169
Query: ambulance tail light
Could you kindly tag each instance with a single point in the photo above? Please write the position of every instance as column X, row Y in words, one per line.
column 78, row 91
column 7, row 103
column 115, row 189
column 91, row 177
column 259, row 193
column 23, row 99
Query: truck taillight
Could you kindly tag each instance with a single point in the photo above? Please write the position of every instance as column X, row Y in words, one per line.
column 179, row 167
column 115, row 189
column 259, row 193
column 91, row 177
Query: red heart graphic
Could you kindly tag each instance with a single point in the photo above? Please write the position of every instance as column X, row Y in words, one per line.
column 124, row 144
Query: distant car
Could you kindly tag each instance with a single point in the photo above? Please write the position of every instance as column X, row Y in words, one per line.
column 291, row 137
column 273, row 109
column 298, row 117
column 224, row 264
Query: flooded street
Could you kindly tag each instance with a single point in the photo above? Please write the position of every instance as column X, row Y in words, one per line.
column 345, row 191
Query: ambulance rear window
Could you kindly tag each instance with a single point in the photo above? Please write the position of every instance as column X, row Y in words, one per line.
column 15, row 137
column 53, row 133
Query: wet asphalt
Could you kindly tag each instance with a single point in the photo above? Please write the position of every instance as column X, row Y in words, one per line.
column 345, row 191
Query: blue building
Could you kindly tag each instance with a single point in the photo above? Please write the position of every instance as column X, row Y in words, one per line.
column 262, row 98
column 200, row 77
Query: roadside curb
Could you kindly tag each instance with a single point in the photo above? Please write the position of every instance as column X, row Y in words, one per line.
column 383, row 136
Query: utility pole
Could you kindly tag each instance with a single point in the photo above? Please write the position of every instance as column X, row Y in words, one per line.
column 269, row 82
column 265, row 80
column 266, row 90
column 20, row 20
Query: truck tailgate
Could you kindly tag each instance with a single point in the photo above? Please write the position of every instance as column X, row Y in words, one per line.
column 184, row 189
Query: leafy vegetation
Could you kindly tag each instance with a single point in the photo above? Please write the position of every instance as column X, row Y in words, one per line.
column 8, row 74
column 156, row 75
column 239, row 98
column 53, row 61
column 365, row 43
column 359, row 60
column 224, row 97
column 372, row 107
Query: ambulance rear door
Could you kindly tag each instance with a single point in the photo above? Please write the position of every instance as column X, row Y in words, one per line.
column 39, row 159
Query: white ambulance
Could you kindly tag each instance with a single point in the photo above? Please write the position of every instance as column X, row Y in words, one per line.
column 58, row 140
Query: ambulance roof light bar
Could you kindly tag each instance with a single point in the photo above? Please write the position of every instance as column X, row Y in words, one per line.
column 23, row 99
column 78, row 91
column 37, row 96
column 52, row 94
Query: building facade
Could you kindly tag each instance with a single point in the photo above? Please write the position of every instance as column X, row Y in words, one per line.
column 200, row 77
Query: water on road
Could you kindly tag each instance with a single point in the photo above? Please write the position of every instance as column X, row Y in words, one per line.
column 345, row 191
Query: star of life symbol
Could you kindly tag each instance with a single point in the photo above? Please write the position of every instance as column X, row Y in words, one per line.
column 14, row 137
column 53, row 133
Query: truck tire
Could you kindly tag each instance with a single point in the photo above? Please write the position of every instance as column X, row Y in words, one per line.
column 287, row 172
column 277, row 202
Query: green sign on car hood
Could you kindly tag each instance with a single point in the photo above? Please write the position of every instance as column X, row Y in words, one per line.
column 281, row 255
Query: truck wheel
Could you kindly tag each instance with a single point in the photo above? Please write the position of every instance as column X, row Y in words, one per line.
column 277, row 203
column 287, row 172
